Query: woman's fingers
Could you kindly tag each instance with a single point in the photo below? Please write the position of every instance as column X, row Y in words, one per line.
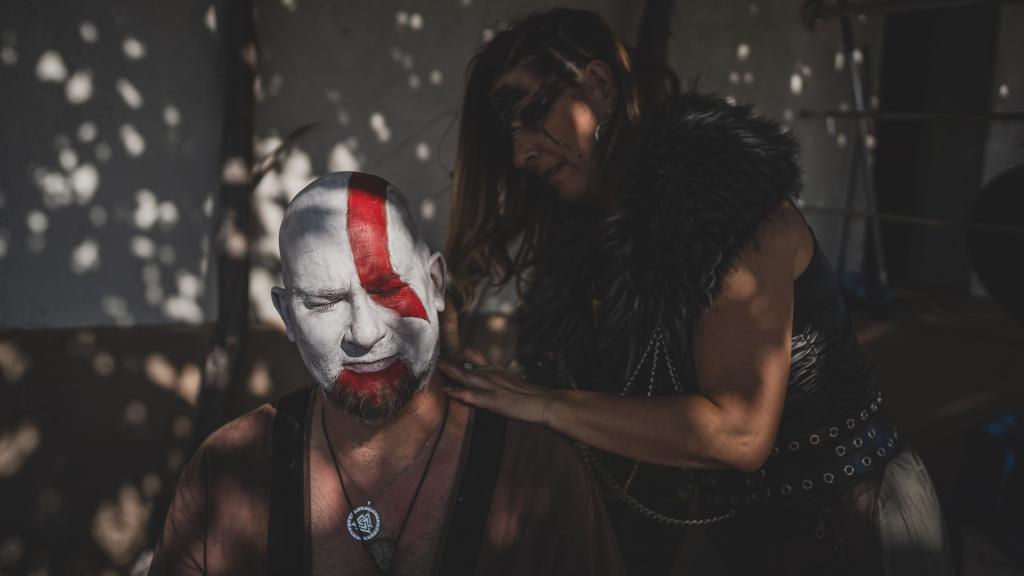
column 476, row 357
column 463, row 376
column 451, row 344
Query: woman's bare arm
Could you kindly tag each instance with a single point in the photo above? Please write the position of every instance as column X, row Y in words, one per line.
column 742, row 352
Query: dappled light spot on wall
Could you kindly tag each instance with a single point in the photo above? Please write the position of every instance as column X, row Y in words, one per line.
column 487, row 34
column 175, row 458
column 133, row 48
column 428, row 209
column 13, row 361
column 342, row 159
column 839, row 61
column 208, row 206
column 841, row 140
column 796, row 84
column 734, row 77
column 16, row 447
column 142, row 247
column 743, row 52
column 146, row 209
column 82, row 344
column 210, row 19
column 830, row 125
column 11, row 550
column 8, row 55
column 870, row 142
column 189, row 285
column 379, row 125
column 401, row 18
column 408, row 61
column 129, row 93
column 858, row 56
column 183, row 309
column 79, row 88
column 37, row 221
column 730, row 99
column 422, row 151
column 104, row 364
column 85, row 180
column 50, row 67
column 135, row 413
column 235, row 172
column 68, row 159
column 5, row 242
column 260, row 384
column 805, row 70
column 85, row 257
column 416, row 21
column 88, row 32
column 172, row 116
column 260, row 283
column 748, row 78
column 414, row 81
column 134, row 143
column 343, row 117
column 754, row 9
column 116, row 309
column 296, row 172
column 436, row 77
column 1004, row 90
column 54, row 186
column 189, row 381
column 290, row 5
column 249, row 55
column 151, row 485
column 119, row 526
column 181, row 426
column 98, row 216
column 160, row 371
column 103, row 152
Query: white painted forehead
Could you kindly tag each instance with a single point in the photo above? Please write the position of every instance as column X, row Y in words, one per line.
column 320, row 211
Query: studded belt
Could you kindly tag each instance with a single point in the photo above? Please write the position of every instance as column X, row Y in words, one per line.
column 824, row 457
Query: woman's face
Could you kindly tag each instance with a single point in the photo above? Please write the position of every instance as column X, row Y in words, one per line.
column 551, row 125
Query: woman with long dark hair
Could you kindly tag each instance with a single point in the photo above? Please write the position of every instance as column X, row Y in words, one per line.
column 676, row 312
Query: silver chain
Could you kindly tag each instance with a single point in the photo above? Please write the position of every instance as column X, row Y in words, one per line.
column 621, row 491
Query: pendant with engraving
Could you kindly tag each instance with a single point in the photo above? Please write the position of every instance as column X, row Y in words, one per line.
column 364, row 522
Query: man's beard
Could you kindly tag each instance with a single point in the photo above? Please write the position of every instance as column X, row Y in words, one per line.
column 380, row 396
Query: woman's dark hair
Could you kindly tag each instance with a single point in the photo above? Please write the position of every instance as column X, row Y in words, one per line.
column 500, row 215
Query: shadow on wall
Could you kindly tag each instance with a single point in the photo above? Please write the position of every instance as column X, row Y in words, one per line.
column 94, row 428
column 108, row 162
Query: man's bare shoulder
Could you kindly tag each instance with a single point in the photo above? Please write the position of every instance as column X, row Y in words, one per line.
column 248, row 437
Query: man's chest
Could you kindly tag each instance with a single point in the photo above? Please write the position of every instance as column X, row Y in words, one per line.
column 408, row 520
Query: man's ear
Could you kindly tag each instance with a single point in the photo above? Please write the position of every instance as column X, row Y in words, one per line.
column 601, row 84
column 280, row 297
column 439, row 278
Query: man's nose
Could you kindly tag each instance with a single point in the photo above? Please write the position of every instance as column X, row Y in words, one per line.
column 367, row 327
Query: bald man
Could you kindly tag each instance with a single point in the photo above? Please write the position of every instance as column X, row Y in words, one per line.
column 371, row 470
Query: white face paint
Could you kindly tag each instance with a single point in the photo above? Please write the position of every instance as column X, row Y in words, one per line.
column 362, row 295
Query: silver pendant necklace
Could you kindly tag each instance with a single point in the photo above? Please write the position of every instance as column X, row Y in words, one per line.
column 364, row 522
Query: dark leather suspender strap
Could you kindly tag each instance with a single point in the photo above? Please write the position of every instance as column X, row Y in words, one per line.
column 286, row 537
column 473, row 500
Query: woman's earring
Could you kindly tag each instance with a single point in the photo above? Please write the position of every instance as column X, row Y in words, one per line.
column 603, row 124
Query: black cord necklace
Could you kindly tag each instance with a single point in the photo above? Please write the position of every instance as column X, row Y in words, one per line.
column 364, row 522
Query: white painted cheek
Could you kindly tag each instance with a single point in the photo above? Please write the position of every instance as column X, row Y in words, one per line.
column 319, row 342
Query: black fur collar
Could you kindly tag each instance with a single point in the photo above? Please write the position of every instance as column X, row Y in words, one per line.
column 705, row 175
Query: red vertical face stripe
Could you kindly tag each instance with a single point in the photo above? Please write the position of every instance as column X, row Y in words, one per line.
column 368, row 236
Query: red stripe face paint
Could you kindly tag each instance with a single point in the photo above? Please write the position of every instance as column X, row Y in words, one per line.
column 368, row 236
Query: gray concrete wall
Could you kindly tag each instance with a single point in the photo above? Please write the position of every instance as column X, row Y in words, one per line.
column 110, row 115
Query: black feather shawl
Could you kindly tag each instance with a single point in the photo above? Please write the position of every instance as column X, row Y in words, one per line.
column 703, row 176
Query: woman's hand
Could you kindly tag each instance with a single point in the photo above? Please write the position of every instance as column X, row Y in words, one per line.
column 487, row 386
